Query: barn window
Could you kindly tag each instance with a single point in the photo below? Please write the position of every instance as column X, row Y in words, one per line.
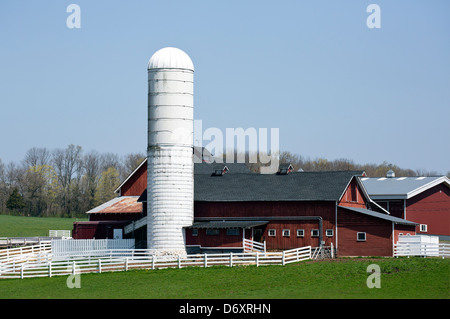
column 233, row 232
column 195, row 232
column 212, row 231
column 353, row 192
column 286, row 232
column 361, row 236
column 300, row 232
column 272, row 232
column 423, row 228
column 329, row 232
column 314, row 233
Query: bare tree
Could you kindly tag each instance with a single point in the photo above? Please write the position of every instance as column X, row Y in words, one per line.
column 68, row 166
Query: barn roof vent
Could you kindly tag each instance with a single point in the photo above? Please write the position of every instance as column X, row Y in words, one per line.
column 220, row 171
column 285, row 169
column 390, row 174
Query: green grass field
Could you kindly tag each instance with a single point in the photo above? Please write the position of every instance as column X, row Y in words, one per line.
column 403, row 278
column 18, row 226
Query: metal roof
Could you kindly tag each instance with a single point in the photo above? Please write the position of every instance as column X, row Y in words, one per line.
column 123, row 204
column 400, row 187
column 229, row 224
column 390, row 218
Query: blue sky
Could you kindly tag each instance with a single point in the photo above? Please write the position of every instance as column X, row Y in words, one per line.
column 313, row 69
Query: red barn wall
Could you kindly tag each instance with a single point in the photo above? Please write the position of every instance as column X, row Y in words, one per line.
column 378, row 235
column 323, row 209
column 403, row 230
column 353, row 196
column 431, row 207
column 97, row 229
column 136, row 184
column 222, row 240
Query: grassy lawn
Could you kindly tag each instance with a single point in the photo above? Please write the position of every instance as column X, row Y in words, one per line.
column 402, row 278
column 18, row 226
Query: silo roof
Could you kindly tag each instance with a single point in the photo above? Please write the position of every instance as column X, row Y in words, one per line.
column 170, row 58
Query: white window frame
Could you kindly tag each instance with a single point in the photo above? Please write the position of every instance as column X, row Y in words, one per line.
column 423, row 228
column 272, row 232
column 288, row 231
column 329, row 230
column 315, row 230
column 300, row 233
column 357, row 236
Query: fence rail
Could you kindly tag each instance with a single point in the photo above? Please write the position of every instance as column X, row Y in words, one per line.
column 422, row 249
column 126, row 259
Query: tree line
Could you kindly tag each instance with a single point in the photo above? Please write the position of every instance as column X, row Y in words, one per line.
column 69, row 182
column 62, row 182
column 300, row 162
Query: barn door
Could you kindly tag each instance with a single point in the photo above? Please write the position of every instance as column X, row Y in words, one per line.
column 257, row 234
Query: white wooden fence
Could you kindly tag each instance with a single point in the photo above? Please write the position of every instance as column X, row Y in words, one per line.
column 61, row 247
column 422, row 249
column 253, row 246
column 126, row 259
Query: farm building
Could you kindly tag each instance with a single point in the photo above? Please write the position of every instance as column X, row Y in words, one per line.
column 424, row 200
column 285, row 210
column 176, row 201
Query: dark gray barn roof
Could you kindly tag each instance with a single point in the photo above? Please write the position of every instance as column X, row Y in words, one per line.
column 295, row 186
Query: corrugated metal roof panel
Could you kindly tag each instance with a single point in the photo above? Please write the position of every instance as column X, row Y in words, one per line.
column 124, row 204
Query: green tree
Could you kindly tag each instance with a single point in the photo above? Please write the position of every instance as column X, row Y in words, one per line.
column 109, row 181
column 15, row 201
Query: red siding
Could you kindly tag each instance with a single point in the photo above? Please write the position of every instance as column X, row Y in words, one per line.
column 136, row 184
column 353, row 196
column 404, row 230
column 222, row 240
column 97, row 229
column 378, row 235
column 326, row 210
column 431, row 207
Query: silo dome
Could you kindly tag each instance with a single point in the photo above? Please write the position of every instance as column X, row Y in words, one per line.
column 170, row 58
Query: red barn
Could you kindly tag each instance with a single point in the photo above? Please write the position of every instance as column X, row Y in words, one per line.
column 424, row 200
column 284, row 210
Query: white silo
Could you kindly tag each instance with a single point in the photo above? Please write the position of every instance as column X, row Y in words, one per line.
column 170, row 179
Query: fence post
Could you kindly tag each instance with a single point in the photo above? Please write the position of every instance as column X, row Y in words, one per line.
column 332, row 251
column 73, row 267
column 153, row 261
column 126, row 263
column 283, row 257
column 21, row 271
column 257, row 259
column 231, row 259
column 179, row 262
column 205, row 259
column 100, row 266
column 49, row 268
